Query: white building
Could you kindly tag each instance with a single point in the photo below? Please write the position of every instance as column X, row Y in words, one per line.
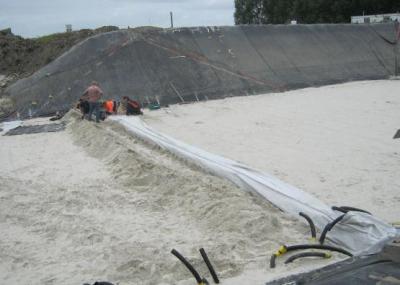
column 367, row 19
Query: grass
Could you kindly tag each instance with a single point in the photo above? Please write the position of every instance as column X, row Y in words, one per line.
column 49, row 38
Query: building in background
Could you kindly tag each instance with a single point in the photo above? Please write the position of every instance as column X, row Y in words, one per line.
column 367, row 19
column 68, row 28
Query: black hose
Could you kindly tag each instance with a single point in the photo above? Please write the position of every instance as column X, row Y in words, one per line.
column 311, row 223
column 188, row 266
column 318, row 246
column 209, row 265
column 339, row 209
column 346, row 208
column 272, row 261
column 284, row 249
column 329, row 227
column 307, row 254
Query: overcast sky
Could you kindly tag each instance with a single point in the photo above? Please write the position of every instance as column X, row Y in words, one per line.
column 31, row 18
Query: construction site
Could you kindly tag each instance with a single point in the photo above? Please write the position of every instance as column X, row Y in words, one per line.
column 266, row 154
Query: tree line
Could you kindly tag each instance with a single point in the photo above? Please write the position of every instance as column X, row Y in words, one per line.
column 309, row 11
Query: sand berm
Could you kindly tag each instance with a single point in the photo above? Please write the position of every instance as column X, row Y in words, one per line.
column 118, row 220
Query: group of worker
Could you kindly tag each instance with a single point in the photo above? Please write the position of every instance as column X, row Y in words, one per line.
column 92, row 102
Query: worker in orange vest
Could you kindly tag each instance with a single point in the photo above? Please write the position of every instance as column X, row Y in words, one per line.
column 110, row 107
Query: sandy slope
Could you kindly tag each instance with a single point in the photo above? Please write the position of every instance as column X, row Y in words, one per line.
column 92, row 203
column 334, row 142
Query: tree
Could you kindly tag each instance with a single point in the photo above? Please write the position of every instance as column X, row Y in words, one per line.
column 249, row 12
column 309, row 11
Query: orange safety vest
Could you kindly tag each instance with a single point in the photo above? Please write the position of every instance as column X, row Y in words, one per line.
column 109, row 106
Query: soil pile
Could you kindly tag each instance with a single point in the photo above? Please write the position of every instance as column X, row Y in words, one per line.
column 20, row 57
column 110, row 207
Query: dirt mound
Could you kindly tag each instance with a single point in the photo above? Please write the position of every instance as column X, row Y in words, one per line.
column 21, row 57
column 198, row 210
column 116, row 213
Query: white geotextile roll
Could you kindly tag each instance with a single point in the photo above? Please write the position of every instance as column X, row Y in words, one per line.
column 359, row 233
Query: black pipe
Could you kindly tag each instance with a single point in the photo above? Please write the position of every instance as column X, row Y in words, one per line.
column 339, row 209
column 346, row 208
column 311, row 223
column 188, row 266
column 307, row 254
column 284, row 249
column 318, row 246
column 209, row 265
column 329, row 227
column 272, row 261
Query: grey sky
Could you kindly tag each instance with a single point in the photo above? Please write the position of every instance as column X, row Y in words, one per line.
column 31, row 18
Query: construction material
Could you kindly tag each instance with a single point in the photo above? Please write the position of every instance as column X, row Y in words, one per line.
column 36, row 129
column 345, row 209
column 307, row 254
column 364, row 270
column 285, row 249
column 329, row 227
column 311, row 223
column 286, row 197
column 210, row 63
column 196, row 275
column 209, row 265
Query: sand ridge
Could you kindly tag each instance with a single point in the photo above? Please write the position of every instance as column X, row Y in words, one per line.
column 94, row 203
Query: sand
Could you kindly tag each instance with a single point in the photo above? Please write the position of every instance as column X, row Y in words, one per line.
column 93, row 203
column 335, row 142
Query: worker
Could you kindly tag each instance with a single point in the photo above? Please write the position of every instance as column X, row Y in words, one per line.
column 93, row 95
column 110, row 107
column 132, row 107
column 83, row 106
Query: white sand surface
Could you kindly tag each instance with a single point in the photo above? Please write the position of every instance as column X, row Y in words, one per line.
column 92, row 203
column 335, row 142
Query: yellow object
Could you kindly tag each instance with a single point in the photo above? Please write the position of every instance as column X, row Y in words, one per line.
column 328, row 255
column 313, row 239
column 282, row 250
